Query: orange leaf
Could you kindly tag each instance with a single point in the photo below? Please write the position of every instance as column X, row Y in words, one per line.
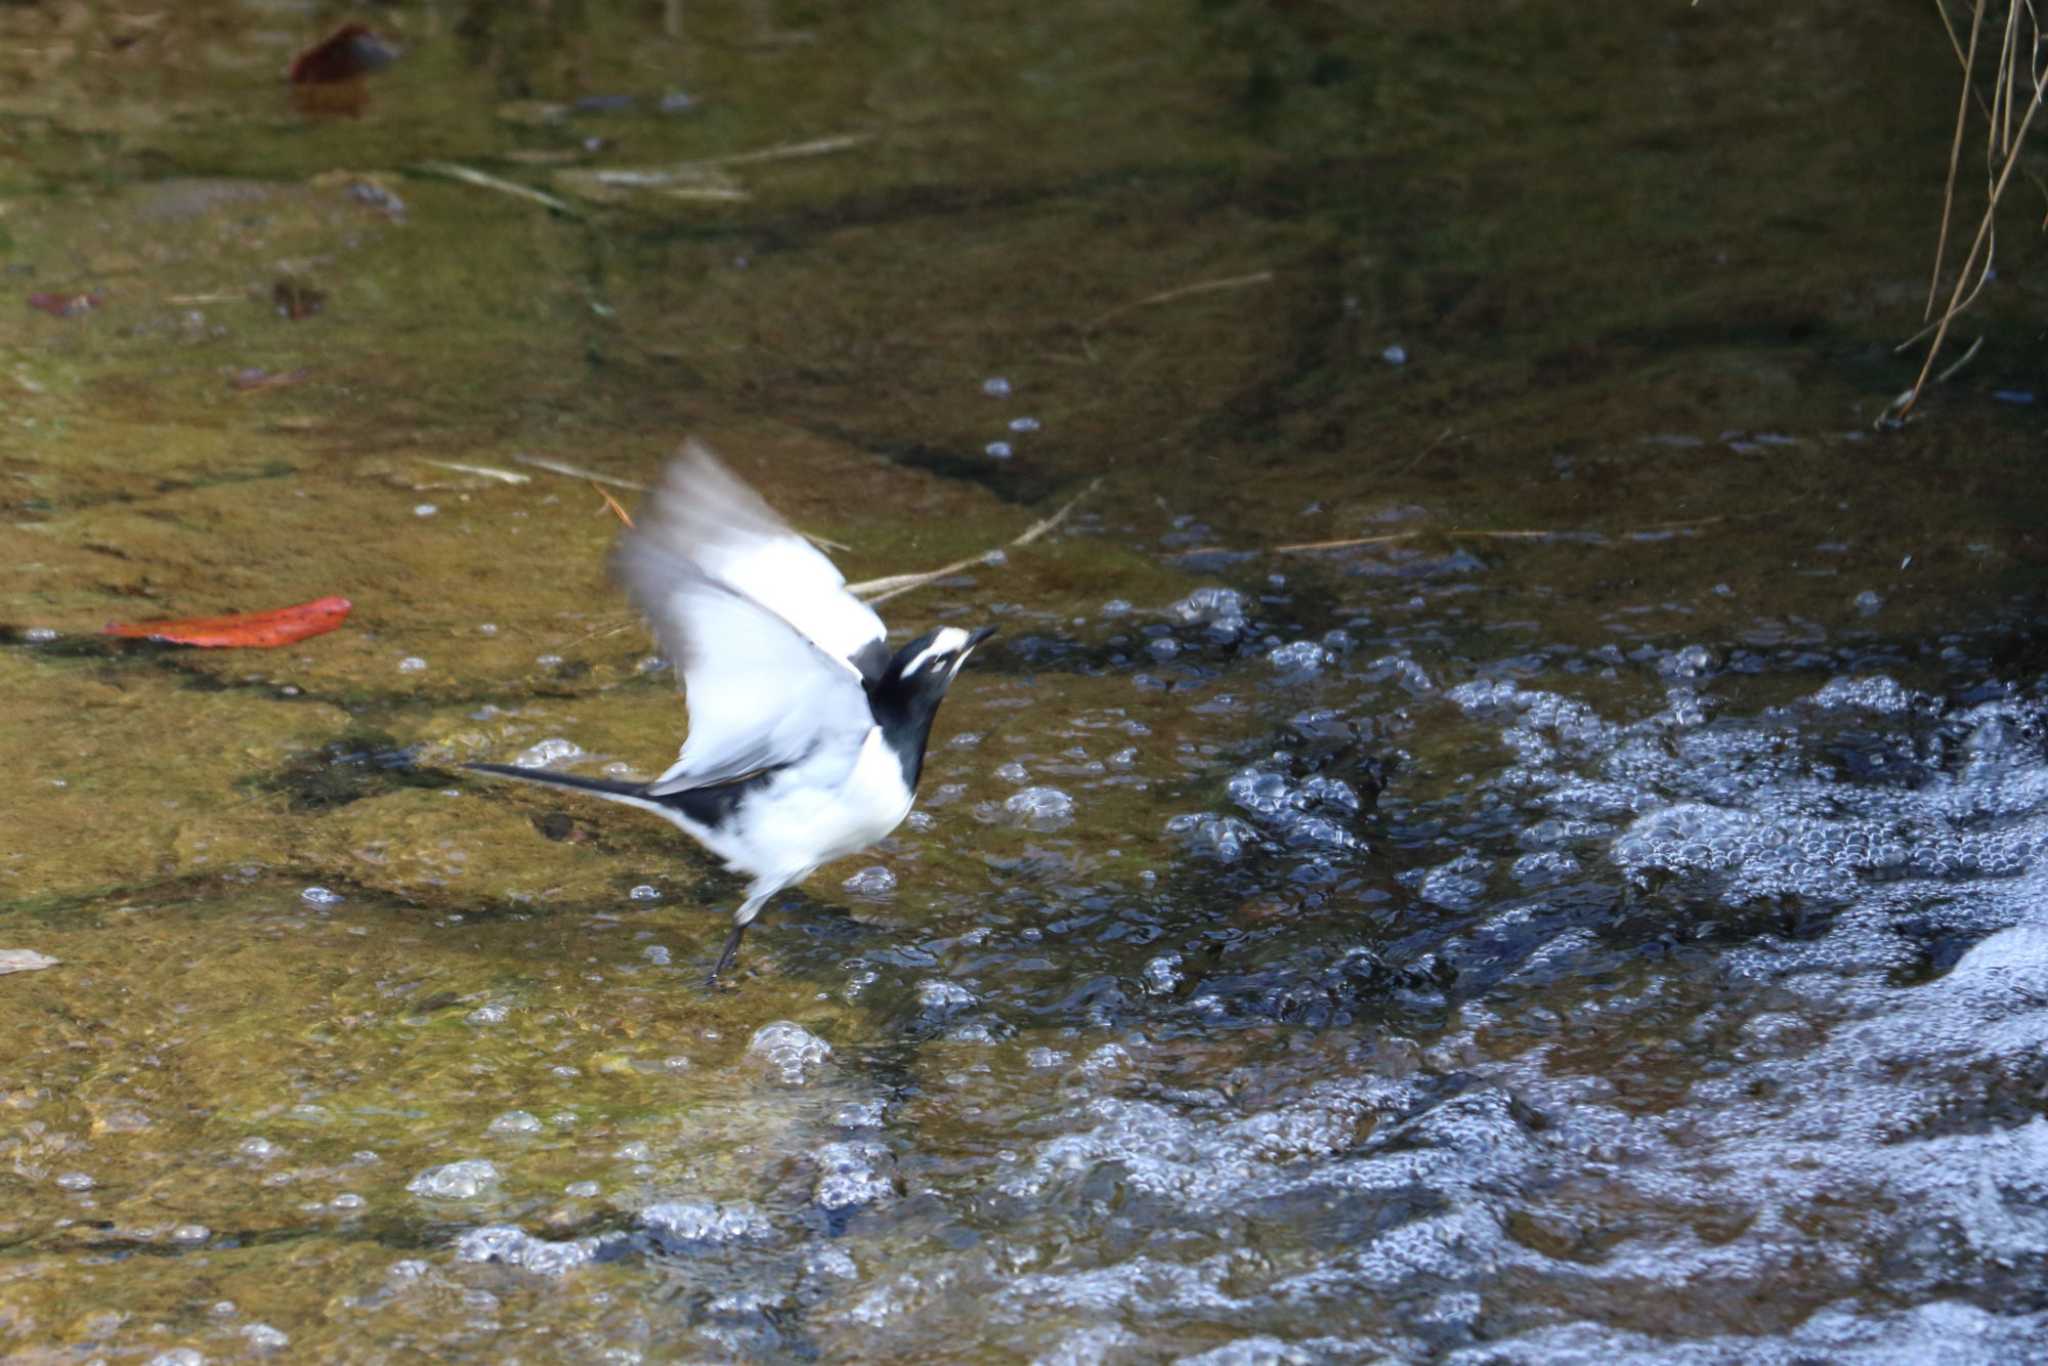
column 242, row 630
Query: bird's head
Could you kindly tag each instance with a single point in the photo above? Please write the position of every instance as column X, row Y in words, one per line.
column 925, row 667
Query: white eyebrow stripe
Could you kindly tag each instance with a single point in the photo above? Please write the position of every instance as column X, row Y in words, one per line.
column 950, row 639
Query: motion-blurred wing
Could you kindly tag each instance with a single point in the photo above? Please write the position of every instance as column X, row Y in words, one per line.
column 763, row 633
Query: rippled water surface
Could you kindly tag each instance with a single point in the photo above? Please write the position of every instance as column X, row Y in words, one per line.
column 1507, row 824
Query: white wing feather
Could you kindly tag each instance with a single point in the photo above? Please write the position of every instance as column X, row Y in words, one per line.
column 759, row 623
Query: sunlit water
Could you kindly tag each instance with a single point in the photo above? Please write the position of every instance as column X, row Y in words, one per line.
column 1711, row 1032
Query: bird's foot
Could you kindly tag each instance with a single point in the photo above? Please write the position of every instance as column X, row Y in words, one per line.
column 726, row 956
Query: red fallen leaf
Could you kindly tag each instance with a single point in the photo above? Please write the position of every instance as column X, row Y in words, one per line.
column 242, row 630
column 350, row 51
column 65, row 305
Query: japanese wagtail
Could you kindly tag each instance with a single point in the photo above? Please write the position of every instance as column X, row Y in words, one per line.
column 807, row 736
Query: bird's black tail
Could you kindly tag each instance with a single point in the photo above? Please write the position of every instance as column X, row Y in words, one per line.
column 596, row 787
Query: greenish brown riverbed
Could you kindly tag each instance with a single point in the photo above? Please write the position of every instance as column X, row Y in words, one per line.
column 1644, row 267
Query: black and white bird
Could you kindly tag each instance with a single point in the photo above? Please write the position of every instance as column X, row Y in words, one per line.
column 807, row 736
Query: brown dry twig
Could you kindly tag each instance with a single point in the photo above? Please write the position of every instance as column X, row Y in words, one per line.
column 612, row 504
column 883, row 589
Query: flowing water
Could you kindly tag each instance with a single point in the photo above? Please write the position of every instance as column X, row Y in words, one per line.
column 1508, row 824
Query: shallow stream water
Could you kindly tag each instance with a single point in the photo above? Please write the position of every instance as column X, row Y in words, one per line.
column 1507, row 824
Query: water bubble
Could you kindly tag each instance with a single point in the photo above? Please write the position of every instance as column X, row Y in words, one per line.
column 1868, row 603
column 1222, row 837
column 656, row 954
column 265, row 1338
column 995, row 386
column 1043, row 1058
column 320, row 896
column 259, row 1148
column 424, row 510
column 1692, row 662
column 1162, row 974
column 513, row 1246
column 791, row 1052
column 1023, row 424
column 1221, row 610
column 1877, row 693
column 998, row 450
column 1395, row 355
column 543, row 753
column 490, row 1013
column 942, row 999
column 76, row 1181
column 582, row 1190
column 852, row 1173
column 39, row 635
column 1013, row 772
column 1041, row 808
column 695, row 1221
column 514, row 1122
column 874, row 882
column 866, row 1114
column 463, row 1180
column 1303, row 656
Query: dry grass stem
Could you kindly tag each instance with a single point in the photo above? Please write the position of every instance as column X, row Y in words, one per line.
column 563, row 467
column 2006, row 128
column 785, row 151
column 1536, row 534
column 486, row 471
column 1166, row 296
column 469, row 175
column 1950, row 372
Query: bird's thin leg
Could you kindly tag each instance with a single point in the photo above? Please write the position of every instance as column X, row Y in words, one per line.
column 741, row 918
column 730, row 952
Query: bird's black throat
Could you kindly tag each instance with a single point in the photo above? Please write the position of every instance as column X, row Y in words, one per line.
column 905, row 713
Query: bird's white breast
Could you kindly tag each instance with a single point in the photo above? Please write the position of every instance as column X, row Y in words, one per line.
column 797, row 822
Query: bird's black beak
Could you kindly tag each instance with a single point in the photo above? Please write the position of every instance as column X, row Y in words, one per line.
column 979, row 636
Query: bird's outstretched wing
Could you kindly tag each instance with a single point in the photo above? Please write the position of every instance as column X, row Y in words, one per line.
column 769, row 645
